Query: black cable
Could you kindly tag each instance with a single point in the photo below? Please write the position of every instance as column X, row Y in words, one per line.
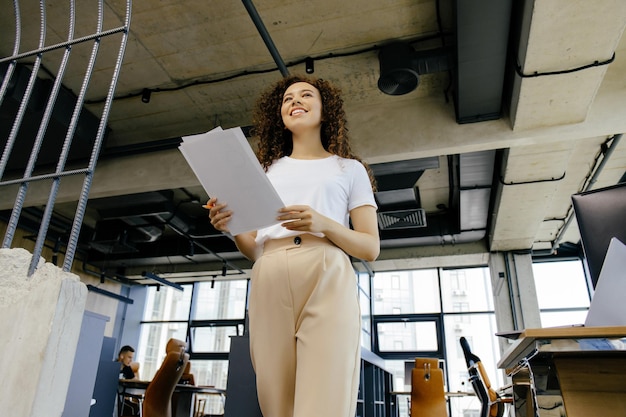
column 531, row 182
column 245, row 73
column 518, row 69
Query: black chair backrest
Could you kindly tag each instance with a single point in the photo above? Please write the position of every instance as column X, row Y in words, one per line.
column 470, row 358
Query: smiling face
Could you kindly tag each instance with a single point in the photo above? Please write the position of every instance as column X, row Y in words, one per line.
column 301, row 107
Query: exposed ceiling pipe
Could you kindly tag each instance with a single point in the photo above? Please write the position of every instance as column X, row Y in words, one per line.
column 592, row 180
column 607, row 155
column 254, row 15
column 465, row 236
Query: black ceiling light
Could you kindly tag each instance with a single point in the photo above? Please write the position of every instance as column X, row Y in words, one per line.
column 155, row 277
column 145, row 95
column 401, row 65
column 309, row 64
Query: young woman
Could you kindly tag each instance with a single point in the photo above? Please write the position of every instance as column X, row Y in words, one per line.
column 303, row 309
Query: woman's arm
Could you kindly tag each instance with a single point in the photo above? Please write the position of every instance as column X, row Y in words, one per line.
column 363, row 242
column 247, row 246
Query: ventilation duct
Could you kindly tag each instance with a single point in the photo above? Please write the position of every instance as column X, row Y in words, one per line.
column 398, row 198
column 401, row 65
column 402, row 219
column 84, row 135
column 482, row 34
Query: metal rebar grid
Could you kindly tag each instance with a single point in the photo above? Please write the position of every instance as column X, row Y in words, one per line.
column 60, row 172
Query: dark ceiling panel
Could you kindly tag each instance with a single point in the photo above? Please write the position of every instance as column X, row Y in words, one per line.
column 482, row 31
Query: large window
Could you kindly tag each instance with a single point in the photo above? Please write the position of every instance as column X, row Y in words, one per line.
column 217, row 313
column 562, row 292
column 206, row 314
column 425, row 313
column 165, row 316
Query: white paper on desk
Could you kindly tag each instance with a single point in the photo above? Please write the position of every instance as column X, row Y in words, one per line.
column 227, row 168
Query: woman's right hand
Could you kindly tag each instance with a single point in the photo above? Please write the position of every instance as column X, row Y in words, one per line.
column 218, row 215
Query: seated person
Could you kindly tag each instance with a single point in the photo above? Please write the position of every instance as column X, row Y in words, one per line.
column 128, row 370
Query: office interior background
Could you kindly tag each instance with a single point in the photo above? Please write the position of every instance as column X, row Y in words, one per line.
column 479, row 119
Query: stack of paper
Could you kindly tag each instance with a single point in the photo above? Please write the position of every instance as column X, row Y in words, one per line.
column 228, row 169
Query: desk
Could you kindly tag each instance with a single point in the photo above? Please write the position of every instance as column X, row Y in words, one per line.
column 447, row 393
column 184, row 406
column 568, row 371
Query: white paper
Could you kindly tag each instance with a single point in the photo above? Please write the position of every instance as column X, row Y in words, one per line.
column 227, row 168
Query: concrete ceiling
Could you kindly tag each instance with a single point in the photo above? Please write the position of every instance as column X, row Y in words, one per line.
column 501, row 180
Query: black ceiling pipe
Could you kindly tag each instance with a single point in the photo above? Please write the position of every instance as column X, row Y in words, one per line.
column 254, row 15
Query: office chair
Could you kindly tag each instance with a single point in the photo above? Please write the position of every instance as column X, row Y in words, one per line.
column 427, row 393
column 492, row 401
column 158, row 398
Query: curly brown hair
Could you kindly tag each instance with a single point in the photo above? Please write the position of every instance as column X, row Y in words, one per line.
column 275, row 141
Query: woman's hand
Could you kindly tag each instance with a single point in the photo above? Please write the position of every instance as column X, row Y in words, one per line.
column 361, row 242
column 218, row 215
column 303, row 219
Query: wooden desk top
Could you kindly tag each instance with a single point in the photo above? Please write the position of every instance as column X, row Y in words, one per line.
column 525, row 343
column 447, row 393
column 573, row 332
column 204, row 389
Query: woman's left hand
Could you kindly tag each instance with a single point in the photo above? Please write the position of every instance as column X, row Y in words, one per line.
column 303, row 219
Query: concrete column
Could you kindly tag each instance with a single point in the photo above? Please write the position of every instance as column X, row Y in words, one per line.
column 521, row 267
column 40, row 320
column 515, row 296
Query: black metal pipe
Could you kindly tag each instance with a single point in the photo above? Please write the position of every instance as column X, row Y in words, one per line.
column 254, row 15
column 592, row 180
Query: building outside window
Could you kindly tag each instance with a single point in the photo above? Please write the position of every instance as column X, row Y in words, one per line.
column 423, row 313
column 209, row 313
column 563, row 292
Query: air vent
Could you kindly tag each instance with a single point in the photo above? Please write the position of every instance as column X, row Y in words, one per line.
column 402, row 219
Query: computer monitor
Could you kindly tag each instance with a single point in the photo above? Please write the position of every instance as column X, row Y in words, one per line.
column 601, row 215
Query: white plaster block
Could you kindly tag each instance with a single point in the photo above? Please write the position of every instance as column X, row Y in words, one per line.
column 40, row 319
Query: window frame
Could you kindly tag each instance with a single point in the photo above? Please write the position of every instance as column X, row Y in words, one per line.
column 437, row 318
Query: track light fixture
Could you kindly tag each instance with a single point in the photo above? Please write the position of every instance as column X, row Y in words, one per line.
column 160, row 280
column 309, row 65
column 224, row 269
column 145, row 95
column 109, row 294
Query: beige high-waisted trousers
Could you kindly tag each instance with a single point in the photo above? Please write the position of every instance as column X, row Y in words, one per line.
column 305, row 325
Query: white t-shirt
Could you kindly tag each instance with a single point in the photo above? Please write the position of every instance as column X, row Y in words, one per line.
column 331, row 186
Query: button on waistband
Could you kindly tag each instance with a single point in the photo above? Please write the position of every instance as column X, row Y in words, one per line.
column 292, row 242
